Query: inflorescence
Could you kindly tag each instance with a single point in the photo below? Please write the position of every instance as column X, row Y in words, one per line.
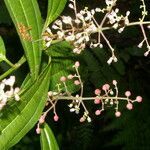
column 104, row 97
column 78, row 31
column 8, row 91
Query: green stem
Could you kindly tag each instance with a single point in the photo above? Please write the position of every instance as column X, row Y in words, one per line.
column 13, row 68
column 8, row 62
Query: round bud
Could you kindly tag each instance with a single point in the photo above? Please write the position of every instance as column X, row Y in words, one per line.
column 139, row 99
column 114, row 82
column 38, row 130
column 97, row 101
column 127, row 93
column 56, row 118
column 129, row 106
column 117, row 113
column 70, row 76
column 97, row 91
column 106, row 87
column 77, row 64
column 89, row 119
column 97, row 112
column 76, row 82
column 63, row 79
column 82, row 119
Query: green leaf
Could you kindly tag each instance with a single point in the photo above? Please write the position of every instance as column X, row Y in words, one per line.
column 20, row 117
column 48, row 141
column 2, row 50
column 27, row 13
column 62, row 60
column 55, row 7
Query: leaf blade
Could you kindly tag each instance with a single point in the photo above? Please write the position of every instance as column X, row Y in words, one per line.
column 48, row 141
column 2, row 50
column 21, row 13
column 55, row 7
column 15, row 125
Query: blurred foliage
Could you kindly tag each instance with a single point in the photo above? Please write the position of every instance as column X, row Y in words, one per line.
column 129, row 132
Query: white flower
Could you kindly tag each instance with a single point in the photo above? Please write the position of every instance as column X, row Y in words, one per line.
column 146, row 53
column 48, row 44
column 121, row 30
column 48, row 30
column 77, row 21
column 140, row 45
column 67, row 20
column 109, row 2
column 89, row 119
column 59, row 23
column 55, row 27
column 60, row 34
column 5, row 95
column 110, row 60
column 10, row 81
column 98, row 10
column 71, row 6
column 70, row 38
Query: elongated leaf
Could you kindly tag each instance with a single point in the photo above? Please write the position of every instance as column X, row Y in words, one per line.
column 48, row 141
column 2, row 50
column 25, row 13
column 55, row 7
column 18, row 119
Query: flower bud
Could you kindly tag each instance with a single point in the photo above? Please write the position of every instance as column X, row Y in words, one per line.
column 139, row 99
column 129, row 106
column 56, row 117
column 118, row 114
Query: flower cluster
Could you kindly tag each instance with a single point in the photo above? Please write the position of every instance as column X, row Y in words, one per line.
column 105, row 97
column 144, row 13
column 7, row 91
column 76, row 31
column 79, row 31
column 118, row 21
column 109, row 97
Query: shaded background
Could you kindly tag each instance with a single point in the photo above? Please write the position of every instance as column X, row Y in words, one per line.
column 129, row 132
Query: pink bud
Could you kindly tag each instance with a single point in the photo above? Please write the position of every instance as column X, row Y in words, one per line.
column 76, row 82
column 118, row 114
column 97, row 91
column 56, row 117
column 97, row 112
column 63, row 79
column 106, row 87
column 114, row 82
column 70, row 76
column 97, row 101
column 127, row 93
column 38, row 130
column 82, row 119
column 77, row 64
column 139, row 99
column 42, row 119
column 129, row 106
